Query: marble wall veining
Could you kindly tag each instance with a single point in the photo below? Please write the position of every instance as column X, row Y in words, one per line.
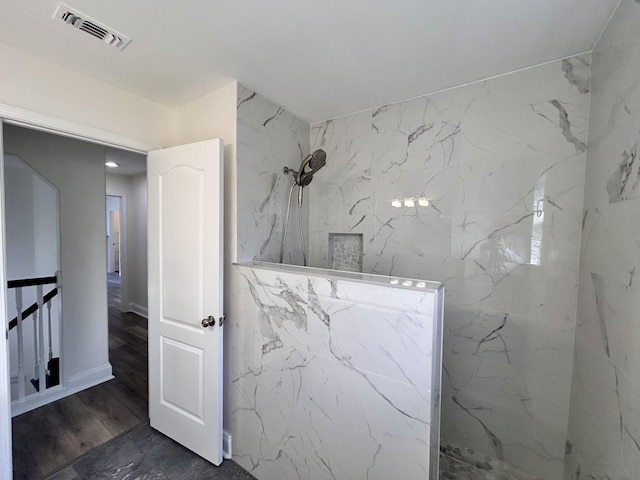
column 334, row 377
column 268, row 139
column 480, row 187
column 604, row 427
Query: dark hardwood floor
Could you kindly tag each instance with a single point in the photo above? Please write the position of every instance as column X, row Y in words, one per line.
column 51, row 437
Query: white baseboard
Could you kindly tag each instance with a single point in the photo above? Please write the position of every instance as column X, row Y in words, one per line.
column 138, row 310
column 75, row 384
column 90, row 378
column 226, row 444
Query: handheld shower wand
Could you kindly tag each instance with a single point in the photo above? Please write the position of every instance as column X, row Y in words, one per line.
column 301, row 178
column 315, row 161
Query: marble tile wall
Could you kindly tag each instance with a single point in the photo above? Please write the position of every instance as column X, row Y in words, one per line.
column 604, row 427
column 335, row 378
column 268, row 138
column 480, row 187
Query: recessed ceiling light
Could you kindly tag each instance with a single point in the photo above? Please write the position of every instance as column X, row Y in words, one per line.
column 111, row 164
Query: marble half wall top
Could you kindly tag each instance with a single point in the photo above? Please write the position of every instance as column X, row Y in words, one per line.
column 373, row 279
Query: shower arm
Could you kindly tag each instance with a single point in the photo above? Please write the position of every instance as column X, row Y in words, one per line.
column 288, row 170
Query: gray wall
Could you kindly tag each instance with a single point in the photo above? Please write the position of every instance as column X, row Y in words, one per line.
column 138, row 228
column 19, row 219
column 604, row 428
column 77, row 170
column 501, row 163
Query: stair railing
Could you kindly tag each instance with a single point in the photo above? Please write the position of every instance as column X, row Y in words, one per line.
column 46, row 372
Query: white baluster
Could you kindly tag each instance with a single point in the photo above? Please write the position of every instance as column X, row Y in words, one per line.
column 35, row 344
column 21, row 386
column 41, row 360
column 50, row 333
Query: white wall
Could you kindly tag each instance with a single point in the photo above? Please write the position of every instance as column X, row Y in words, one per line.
column 211, row 116
column 77, row 170
column 37, row 85
column 214, row 116
column 133, row 231
column 604, row 425
column 502, row 165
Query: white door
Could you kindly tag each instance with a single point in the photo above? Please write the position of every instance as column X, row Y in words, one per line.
column 185, row 189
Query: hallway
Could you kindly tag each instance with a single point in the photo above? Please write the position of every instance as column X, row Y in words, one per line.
column 51, row 437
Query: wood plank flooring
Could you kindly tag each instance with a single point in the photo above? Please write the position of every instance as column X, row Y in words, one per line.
column 51, row 437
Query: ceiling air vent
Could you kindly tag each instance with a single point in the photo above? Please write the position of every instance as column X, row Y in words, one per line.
column 88, row 25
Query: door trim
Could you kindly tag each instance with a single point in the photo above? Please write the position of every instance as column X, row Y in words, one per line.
column 6, row 465
column 46, row 123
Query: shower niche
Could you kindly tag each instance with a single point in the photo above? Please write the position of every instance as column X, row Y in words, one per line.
column 346, row 252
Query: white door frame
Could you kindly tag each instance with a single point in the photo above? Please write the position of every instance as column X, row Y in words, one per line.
column 124, row 275
column 111, row 261
column 6, row 470
column 37, row 121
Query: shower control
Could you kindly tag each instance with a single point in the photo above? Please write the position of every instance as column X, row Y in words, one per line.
column 208, row 322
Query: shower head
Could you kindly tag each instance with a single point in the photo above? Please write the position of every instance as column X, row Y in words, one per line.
column 305, row 179
column 318, row 160
column 315, row 161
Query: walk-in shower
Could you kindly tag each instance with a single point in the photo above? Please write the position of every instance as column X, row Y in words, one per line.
column 301, row 178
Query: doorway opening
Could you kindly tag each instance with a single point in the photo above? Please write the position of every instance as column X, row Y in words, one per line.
column 98, row 342
column 113, row 234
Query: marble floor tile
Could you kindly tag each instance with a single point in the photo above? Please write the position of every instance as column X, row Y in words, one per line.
column 145, row 454
column 152, row 474
column 452, row 469
column 459, row 463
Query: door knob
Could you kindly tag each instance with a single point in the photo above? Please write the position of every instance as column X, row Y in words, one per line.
column 208, row 322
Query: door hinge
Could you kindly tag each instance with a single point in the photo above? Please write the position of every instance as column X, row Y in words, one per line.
column 222, row 319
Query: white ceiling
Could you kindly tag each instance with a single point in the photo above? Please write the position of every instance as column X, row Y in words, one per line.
column 319, row 59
